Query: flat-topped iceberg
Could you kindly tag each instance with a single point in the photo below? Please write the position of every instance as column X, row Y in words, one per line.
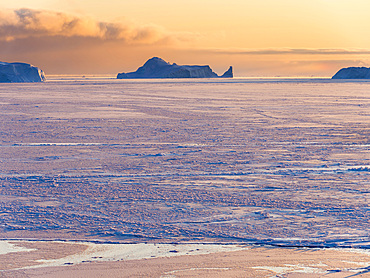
column 20, row 72
column 158, row 68
column 353, row 73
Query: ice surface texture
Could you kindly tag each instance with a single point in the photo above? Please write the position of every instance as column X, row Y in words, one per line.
column 20, row 72
column 209, row 160
column 158, row 68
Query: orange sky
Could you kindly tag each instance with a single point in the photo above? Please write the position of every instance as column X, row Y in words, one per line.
column 259, row 38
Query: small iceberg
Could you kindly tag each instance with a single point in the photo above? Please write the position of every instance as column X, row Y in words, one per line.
column 20, row 72
column 353, row 73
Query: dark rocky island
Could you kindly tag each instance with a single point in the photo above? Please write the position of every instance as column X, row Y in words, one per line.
column 353, row 73
column 158, row 68
column 20, row 72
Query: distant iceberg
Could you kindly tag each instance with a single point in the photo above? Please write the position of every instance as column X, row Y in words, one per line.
column 158, row 68
column 353, row 73
column 228, row 74
column 20, row 72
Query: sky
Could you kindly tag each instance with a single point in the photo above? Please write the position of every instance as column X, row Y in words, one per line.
column 258, row 38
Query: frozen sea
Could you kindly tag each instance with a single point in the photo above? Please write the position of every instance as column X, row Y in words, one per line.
column 269, row 161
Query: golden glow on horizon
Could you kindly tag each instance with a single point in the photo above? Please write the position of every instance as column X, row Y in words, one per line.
column 182, row 31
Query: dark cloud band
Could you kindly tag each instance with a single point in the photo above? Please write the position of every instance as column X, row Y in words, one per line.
column 290, row 51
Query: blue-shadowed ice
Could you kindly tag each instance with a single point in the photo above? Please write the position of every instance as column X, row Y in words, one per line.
column 282, row 162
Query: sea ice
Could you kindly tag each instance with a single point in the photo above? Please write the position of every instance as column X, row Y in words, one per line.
column 256, row 161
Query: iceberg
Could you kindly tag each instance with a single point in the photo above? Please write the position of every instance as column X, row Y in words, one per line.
column 353, row 73
column 228, row 74
column 158, row 68
column 20, row 72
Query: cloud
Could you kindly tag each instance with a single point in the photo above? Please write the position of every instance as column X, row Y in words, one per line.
column 27, row 23
column 290, row 51
column 64, row 43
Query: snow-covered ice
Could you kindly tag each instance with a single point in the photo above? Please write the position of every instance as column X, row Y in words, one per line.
column 282, row 162
column 7, row 247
